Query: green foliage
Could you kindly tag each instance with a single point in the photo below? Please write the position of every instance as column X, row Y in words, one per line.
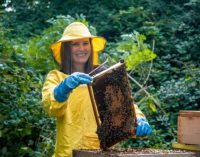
column 5, row 49
column 135, row 50
column 23, row 121
column 21, row 112
column 19, row 16
column 183, row 92
column 25, row 57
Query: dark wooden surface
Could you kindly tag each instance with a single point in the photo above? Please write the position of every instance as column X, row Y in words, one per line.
column 90, row 153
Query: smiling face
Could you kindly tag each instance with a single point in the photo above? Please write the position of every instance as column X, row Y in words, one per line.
column 80, row 51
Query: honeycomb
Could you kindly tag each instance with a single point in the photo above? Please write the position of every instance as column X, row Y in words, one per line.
column 114, row 102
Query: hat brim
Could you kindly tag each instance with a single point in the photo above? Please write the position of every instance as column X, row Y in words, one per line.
column 98, row 45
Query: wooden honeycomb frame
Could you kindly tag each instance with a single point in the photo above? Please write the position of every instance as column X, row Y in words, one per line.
column 114, row 103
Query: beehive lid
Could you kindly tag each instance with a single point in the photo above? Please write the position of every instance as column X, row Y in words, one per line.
column 189, row 113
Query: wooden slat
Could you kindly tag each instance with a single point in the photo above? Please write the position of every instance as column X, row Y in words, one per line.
column 85, row 153
column 189, row 113
column 189, row 128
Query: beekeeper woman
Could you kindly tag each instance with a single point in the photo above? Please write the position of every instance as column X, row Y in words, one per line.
column 65, row 94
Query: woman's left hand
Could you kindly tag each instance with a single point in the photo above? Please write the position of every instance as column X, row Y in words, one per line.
column 143, row 128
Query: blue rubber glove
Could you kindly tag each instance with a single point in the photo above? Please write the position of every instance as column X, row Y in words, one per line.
column 62, row 91
column 143, row 128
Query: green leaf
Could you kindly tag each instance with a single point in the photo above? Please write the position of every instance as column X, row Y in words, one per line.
column 139, row 53
column 152, row 107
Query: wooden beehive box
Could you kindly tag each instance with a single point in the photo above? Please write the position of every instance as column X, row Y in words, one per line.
column 114, row 102
column 189, row 127
column 135, row 153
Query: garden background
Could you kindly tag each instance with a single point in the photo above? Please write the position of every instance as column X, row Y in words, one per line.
column 159, row 40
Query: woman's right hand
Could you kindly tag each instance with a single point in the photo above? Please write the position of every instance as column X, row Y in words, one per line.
column 62, row 91
column 77, row 78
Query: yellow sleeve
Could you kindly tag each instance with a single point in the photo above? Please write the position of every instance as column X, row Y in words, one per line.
column 53, row 107
column 138, row 112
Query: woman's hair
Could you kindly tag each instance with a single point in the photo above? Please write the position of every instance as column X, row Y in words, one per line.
column 66, row 61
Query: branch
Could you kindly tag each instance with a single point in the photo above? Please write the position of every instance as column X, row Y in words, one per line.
column 99, row 66
column 157, row 103
column 151, row 65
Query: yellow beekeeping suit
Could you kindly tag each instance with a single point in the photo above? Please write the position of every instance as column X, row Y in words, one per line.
column 76, row 125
